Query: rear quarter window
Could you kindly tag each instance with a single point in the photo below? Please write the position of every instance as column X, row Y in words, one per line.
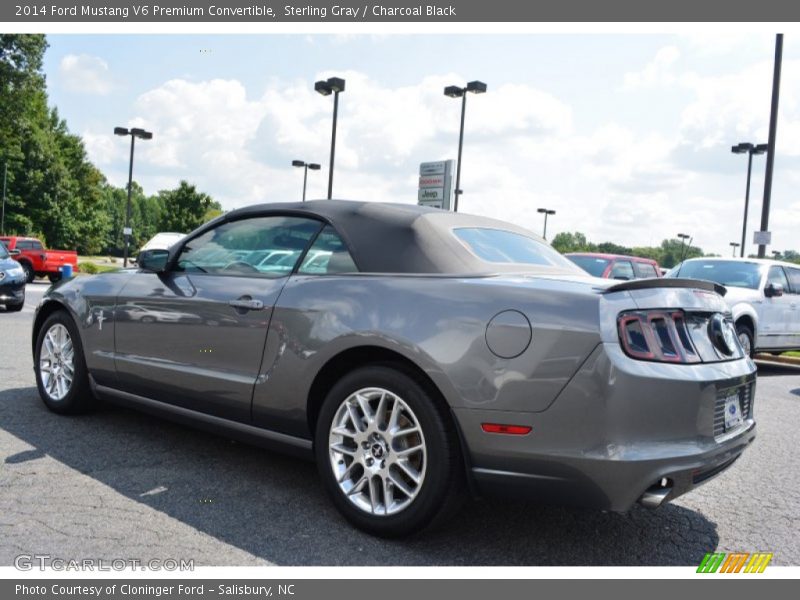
column 508, row 247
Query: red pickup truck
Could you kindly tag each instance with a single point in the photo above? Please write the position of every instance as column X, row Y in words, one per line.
column 38, row 262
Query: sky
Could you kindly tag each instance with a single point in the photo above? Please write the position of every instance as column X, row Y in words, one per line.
column 627, row 137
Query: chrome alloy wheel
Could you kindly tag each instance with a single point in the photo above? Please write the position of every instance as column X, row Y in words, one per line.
column 377, row 451
column 57, row 362
column 744, row 340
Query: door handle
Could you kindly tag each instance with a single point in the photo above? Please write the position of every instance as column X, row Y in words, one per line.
column 246, row 303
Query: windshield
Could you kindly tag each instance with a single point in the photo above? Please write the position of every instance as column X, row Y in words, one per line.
column 500, row 246
column 591, row 264
column 728, row 273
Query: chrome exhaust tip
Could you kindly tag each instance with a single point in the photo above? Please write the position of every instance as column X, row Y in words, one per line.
column 656, row 494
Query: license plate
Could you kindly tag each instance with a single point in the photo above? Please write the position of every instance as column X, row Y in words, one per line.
column 733, row 412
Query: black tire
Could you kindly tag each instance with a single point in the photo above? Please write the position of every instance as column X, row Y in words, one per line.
column 30, row 275
column 441, row 490
column 742, row 329
column 54, row 277
column 78, row 399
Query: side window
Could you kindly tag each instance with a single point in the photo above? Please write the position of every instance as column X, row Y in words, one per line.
column 644, row 270
column 794, row 279
column 255, row 247
column 327, row 256
column 622, row 269
column 776, row 275
column 36, row 245
column 22, row 245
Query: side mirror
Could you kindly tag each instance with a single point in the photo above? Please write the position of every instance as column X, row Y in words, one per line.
column 773, row 290
column 154, row 261
column 15, row 252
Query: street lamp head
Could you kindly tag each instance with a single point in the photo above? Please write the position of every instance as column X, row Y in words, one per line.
column 336, row 84
column 742, row 148
column 734, row 244
column 453, row 91
column 120, row 131
column 323, row 88
column 541, row 210
column 298, row 163
column 761, row 149
column 683, row 236
column 476, row 87
column 314, row 166
column 141, row 134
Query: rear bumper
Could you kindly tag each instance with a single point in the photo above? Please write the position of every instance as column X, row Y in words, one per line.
column 615, row 432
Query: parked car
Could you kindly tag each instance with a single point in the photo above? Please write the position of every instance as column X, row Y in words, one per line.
column 615, row 266
column 763, row 296
column 429, row 355
column 163, row 241
column 36, row 260
column 12, row 282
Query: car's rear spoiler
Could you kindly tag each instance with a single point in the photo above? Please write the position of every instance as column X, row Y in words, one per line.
column 667, row 282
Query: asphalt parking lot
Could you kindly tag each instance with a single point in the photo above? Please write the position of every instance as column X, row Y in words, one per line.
column 119, row 484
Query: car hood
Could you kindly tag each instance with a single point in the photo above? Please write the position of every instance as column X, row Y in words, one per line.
column 736, row 295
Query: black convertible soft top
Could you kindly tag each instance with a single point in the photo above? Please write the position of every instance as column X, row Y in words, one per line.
column 402, row 238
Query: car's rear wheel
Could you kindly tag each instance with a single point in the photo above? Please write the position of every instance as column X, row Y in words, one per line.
column 387, row 452
column 745, row 335
column 61, row 374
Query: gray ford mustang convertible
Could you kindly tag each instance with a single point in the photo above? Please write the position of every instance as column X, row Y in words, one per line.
column 419, row 356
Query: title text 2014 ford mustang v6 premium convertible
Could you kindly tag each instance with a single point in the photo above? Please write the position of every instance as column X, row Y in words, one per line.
column 416, row 354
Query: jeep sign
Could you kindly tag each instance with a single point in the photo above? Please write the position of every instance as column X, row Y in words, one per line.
column 435, row 184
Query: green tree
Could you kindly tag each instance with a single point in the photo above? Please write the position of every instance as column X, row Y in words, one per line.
column 53, row 190
column 184, row 208
column 571, row 242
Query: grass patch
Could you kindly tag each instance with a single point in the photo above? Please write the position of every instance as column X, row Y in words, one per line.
column 794, row 353
column 90, row 268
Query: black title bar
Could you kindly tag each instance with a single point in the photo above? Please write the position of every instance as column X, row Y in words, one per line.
column 397, row 11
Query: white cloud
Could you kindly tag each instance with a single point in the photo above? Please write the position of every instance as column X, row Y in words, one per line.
column 85, row 74
column 657, row 72
column 523, row 148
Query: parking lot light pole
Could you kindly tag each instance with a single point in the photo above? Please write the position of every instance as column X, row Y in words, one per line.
column 306, row 166
column 684, row 237
column 142, row 135
column 773, row 133
column 333, row 85
column 734, row 245
column 750, row 149
column 545, row 212
column 454, row 91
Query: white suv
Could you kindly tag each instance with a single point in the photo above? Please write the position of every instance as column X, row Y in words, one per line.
column 763, row 295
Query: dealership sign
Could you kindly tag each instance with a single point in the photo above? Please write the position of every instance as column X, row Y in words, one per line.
column 435, row 184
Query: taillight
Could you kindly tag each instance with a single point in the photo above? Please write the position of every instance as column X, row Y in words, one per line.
column 656, row 335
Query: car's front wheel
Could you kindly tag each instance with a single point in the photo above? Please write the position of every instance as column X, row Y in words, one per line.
column 61, row 374
column 387, row 452
column 745, row 335
column 30, row 274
